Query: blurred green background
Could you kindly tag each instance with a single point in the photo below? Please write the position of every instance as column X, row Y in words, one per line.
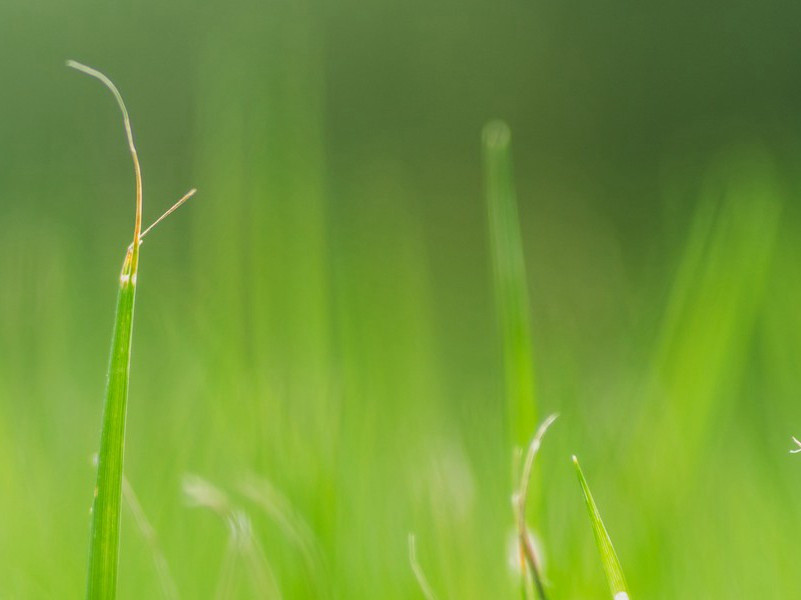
column 316, row 334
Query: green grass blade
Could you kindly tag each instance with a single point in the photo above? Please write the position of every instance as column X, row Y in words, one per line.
column 611, row 564
column 105, row 536
column 511, row 292
column 105, row 529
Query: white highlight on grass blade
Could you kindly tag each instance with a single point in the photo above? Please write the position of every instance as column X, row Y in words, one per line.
column 199, row 492
column 531, row 454
column 419, row 574
column 621, row 596
column 797, row 443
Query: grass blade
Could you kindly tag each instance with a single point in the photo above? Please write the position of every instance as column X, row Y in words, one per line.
column 105, row 530
column 611, row 564
column 527, row 550
column 105, row 535
column 511, row 292
column 419, row 574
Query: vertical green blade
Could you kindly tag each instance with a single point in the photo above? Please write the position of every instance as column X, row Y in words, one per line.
column 105, row 534
column 104, row 541
column 611, row 564
column 509, row 273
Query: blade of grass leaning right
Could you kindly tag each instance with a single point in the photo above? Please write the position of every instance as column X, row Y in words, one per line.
column 609, row 559
column 511, row 288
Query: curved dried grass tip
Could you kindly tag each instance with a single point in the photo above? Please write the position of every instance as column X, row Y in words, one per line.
column 533, row 448
column 131, row 147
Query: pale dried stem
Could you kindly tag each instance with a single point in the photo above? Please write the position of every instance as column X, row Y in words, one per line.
column 131, row 147
column 520, row 498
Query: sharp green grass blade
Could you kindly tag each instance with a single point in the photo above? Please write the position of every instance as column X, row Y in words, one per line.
column 511, row 292
column 105, row 536
column 611, row 564
column 105, row 530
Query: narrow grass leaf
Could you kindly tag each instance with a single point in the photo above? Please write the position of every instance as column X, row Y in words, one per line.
column 509, row 275
column 611, row 564
column 105, row 529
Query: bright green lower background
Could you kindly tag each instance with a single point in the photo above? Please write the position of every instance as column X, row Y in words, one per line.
column 320, row 316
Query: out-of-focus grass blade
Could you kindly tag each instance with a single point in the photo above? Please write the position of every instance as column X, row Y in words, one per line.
column 167, row 582
column 611, row 564
column 242, row 541
column 511, row 293
column 419, row 574
column 105, row 537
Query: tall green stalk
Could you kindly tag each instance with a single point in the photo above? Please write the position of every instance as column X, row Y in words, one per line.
column 511, row 291
column 105, row 533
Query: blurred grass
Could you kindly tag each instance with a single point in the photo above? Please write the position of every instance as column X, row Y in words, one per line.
column 322, row 319
column 510, row 285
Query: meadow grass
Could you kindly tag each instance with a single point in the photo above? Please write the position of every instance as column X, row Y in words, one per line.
column 326, row 324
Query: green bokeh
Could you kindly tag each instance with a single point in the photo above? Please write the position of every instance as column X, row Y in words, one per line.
column 321, row 317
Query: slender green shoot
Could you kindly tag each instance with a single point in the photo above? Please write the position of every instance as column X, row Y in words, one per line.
column 530, row 562
column 509, row 274
column 105, row 527
column 611, row 564
column 105, row 531
column 419, row 574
